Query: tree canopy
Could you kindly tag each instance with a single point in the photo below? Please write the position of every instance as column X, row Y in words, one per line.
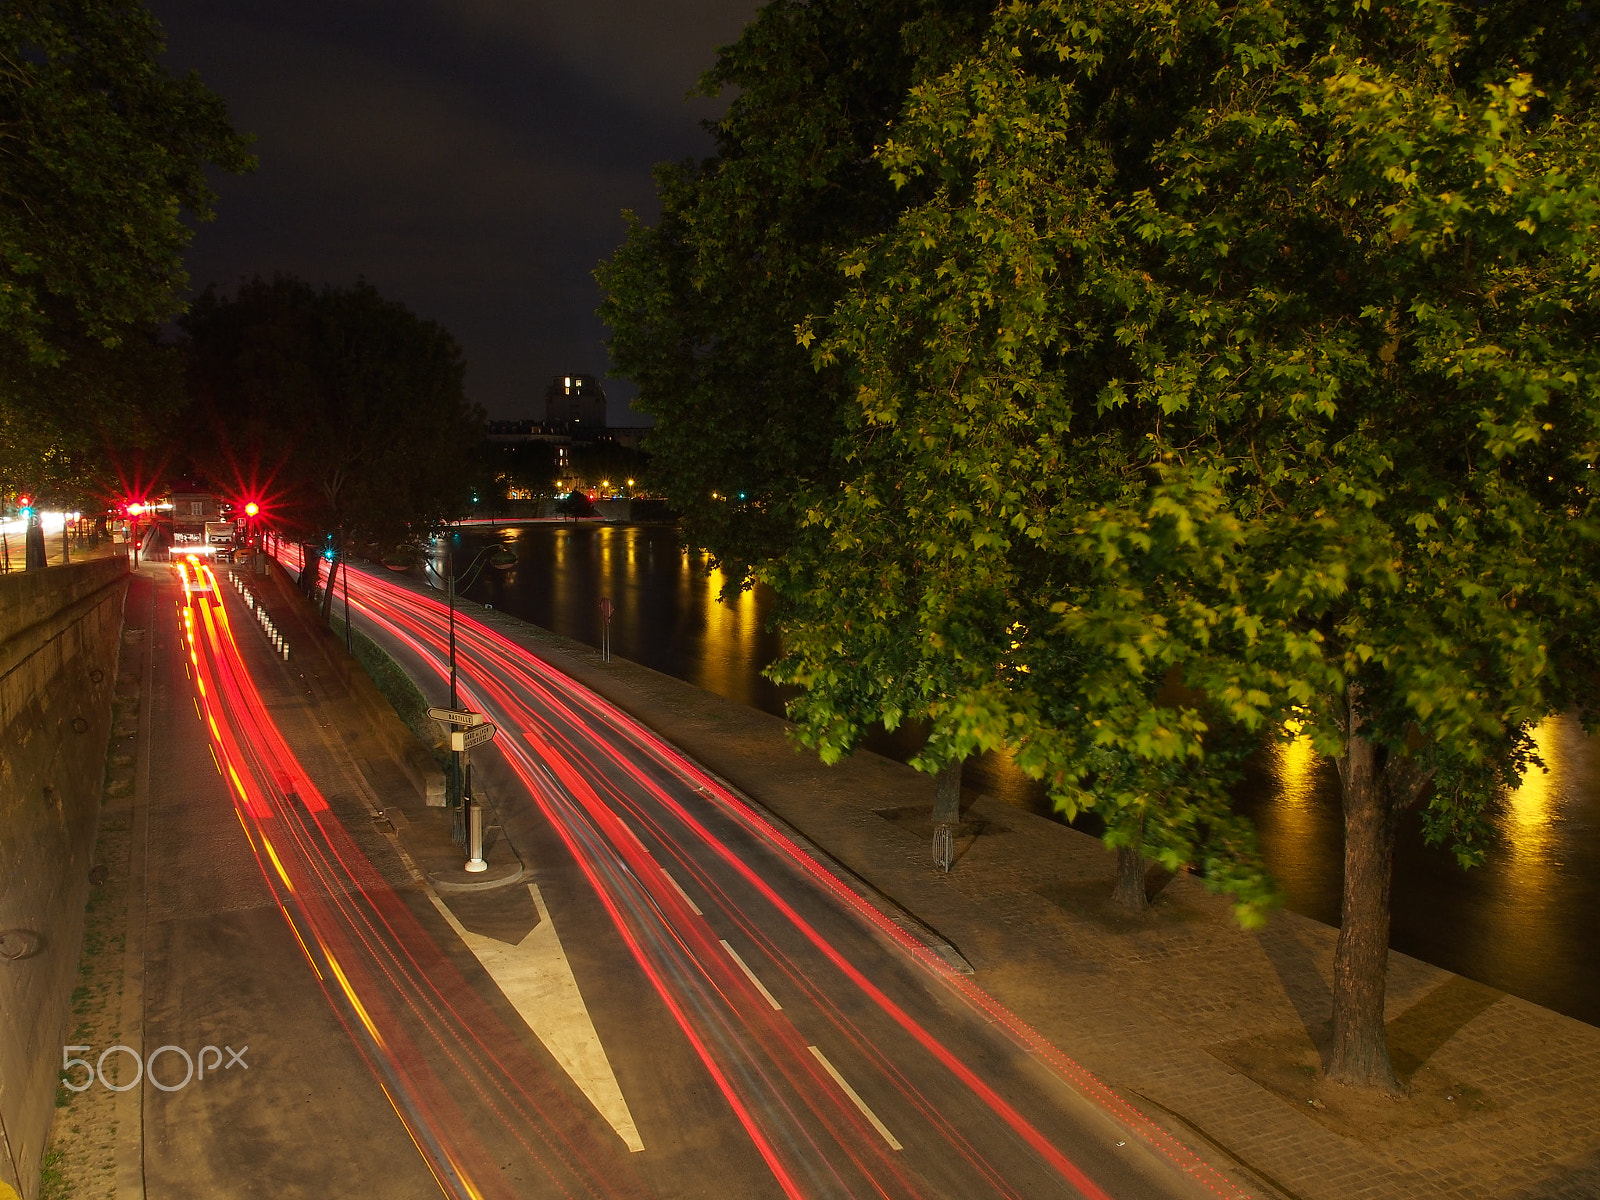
column 346, row 410
column 102, row 153
column 703, row 304
column 1238, row 376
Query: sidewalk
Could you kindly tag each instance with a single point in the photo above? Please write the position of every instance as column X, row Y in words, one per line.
column 1206, row 1028
column 79, row 550
column 185, row 947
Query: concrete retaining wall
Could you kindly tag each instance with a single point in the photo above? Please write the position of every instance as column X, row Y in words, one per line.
column 59, row 636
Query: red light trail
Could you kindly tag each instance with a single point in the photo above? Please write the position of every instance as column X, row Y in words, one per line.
column 602, row 780
column 437, row 1050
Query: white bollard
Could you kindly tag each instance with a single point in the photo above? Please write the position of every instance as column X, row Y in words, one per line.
column 475, row 861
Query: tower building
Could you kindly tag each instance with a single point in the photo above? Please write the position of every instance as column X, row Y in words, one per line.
column 577, row 401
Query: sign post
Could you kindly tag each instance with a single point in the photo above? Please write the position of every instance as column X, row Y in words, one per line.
column 606, row 609
column 456, row 718
column 462, row 741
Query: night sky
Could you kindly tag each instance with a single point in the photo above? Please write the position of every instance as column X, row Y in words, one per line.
column 470, row 158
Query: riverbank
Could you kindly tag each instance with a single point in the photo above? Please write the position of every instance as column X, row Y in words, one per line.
column 1205, row 1028
column 1521, row 922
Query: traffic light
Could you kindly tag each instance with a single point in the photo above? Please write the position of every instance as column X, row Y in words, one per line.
column 25, row 503
column 251, row 509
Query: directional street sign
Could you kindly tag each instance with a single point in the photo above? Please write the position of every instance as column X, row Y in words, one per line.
column 454, row 716
column 477, row 736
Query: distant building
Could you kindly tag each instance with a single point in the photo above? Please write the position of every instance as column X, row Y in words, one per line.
column 628, row 435
column 512, row 433
column 191, row 510
column 578, row 402
column 522, row 433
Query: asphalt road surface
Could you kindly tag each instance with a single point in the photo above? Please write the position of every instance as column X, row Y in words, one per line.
column 715, row 1012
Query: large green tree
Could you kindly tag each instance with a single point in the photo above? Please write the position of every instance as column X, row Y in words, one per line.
column 102, row 152
column 1244, row 369
column 345, row 408
column 702, row 305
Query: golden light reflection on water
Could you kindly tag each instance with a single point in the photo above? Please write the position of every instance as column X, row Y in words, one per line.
column 1297, row 824
column 731, row 632
column 561, row 599
column 1295, row 764
column 1529, row 815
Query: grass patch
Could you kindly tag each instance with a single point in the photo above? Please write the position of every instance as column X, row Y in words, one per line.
column 402, row 694
column 53, row 1185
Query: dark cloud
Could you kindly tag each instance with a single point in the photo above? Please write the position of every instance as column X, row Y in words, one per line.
column 470, row 158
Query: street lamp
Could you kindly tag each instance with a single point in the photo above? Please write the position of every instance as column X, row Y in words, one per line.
column 496, row 556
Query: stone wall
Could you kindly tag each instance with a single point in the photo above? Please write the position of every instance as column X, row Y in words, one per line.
column 59, row 637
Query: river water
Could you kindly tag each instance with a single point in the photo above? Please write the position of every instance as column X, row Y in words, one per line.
column 1524, row 922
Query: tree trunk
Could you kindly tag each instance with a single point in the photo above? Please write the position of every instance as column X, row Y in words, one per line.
column 947, row 793
column 1131, row 867
column 1359, row 1055
column 310, row 571
column 327, row 593
column 34, row 558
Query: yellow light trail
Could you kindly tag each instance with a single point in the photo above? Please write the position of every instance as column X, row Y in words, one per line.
column 294, row 930
column 344, row 984
column 284, row 875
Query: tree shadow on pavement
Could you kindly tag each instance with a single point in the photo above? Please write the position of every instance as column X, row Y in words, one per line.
column 1418, row 1033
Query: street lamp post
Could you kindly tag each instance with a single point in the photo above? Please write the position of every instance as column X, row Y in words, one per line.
column 344, row 571
column 501, row 559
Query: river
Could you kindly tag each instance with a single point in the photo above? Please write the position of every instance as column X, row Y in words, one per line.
column 1523, row 922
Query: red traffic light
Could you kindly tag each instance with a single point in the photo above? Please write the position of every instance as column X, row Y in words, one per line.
column 24, row 501
column 251, row 509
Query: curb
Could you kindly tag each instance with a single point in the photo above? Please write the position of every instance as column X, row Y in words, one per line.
column 892, row 909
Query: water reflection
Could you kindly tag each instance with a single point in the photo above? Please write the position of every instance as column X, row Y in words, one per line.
column 1531, row 811
column 1294, row 797
column 1521, row 922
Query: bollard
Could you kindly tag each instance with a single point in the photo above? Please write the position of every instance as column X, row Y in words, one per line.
column 475, row 861
column 943, row 847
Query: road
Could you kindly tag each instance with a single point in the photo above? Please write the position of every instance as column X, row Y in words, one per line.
column 849, row 1059
column 727, row 1018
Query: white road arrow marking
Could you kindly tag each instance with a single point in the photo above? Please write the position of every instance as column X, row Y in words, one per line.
column 537, row 979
